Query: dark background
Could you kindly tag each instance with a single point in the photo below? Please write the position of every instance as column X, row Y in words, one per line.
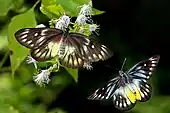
column 132, row 29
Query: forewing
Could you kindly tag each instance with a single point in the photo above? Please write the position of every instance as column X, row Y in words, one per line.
column 46, row 52
column 36, row 37
column 41, row 54
column 144, row 69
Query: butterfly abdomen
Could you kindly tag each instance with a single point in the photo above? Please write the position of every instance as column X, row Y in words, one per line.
column 62, row 51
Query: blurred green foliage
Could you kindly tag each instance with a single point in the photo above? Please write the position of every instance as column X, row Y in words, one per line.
column 157, row 104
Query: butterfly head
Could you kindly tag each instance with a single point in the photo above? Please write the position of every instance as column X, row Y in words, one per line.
column 66, row 32
column 121, row 73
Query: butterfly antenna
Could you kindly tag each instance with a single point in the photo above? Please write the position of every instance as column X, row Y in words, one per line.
column 123, row 64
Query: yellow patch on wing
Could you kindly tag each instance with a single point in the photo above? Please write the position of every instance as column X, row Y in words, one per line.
column 75, row 61
column 133, row 93
column 130, row 95
column 137, row 92
column 54, row 47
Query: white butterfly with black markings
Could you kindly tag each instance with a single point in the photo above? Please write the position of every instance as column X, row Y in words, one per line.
column 129, row 86
column 73, row 49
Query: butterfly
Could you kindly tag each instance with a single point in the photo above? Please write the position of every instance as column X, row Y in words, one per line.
column 73, row 49
column 129, row 86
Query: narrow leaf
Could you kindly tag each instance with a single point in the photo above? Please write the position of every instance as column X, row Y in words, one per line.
column 73, row 73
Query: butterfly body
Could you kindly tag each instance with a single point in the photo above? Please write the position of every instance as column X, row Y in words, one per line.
column 130, row 86
column 73, row 49
column 124, row 77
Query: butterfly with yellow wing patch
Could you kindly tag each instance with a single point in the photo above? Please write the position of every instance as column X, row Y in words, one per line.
column 129, row 86
column 73, row 49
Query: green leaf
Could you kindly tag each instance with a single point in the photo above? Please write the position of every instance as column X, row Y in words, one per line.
column 18, row 4
column 18, row 52
column 20, row 7
column 4, row 42
column 52, row 11
column 61, row 79
column 3, row 37
column 97, row 12
column 73, row 73
column 73, row 8
column 55, row 8
column 5, row 6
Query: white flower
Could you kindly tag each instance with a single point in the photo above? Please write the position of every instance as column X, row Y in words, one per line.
column 42, row 78
column 60, row 25
column 66, row 20
column 40, row 26
column 30, row 60
column 86, row 10
column 88, row 66
column 93, row 27
column 81, row 19
column 63, row 22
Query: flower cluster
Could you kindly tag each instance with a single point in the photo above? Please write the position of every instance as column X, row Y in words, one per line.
column 42, row 77
column 84, row 20
column 83, row 24
column 61, row 23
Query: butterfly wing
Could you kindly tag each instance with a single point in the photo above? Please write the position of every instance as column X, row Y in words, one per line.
column 125, row 91
column 43, row 42
column 140, row 73
column 36, row 37
column 46, row 52
column 95, row 51
column 106, row 91
column 72, row 57
column 81, row 50
column 120, row 91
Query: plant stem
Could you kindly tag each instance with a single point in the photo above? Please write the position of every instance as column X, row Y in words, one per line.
column 36, row 4
column 4, row 59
